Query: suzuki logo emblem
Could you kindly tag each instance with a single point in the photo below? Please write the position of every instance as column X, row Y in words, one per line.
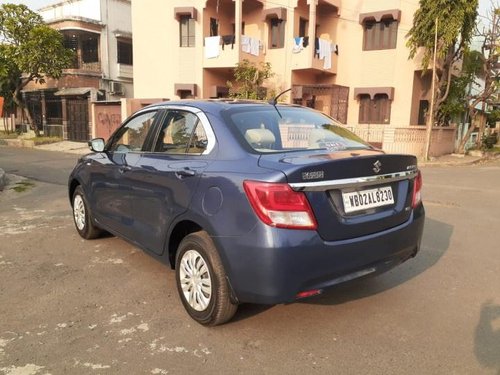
column 377, row 166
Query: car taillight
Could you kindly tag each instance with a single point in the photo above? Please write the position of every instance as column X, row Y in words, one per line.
column 417, row 190
column 277, row 205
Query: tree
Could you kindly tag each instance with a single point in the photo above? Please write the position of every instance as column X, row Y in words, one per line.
column 456, row 21
column 30, row 51
column 457, row 102
column 248, row 79
column 487, row 78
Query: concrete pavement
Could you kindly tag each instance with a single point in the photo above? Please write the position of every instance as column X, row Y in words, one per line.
column 66, row 146
column 3, row 179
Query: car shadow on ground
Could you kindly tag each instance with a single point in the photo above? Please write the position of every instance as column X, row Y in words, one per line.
column 487, row 337
column 435, row 242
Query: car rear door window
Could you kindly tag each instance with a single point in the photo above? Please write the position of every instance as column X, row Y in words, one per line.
column 181, row 133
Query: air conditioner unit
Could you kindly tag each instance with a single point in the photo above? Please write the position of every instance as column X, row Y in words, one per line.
column 115, row 88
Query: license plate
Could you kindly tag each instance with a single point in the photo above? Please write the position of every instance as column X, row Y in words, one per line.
column 364, row 199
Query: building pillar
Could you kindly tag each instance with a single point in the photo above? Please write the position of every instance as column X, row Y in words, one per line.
column 44, row 112
column 312, row 21
column 25, row 127
column 238, row 16
column 64, row 103
column 89, row 114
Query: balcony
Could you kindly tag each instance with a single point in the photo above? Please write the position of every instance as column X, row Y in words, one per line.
column 308, row 58
column 125, row 70
column 232, row 32
column 85, row 46
column 228, row 55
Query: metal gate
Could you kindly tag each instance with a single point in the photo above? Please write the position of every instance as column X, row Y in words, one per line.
column 331, row 99
column 34, row 105
column 78, row 119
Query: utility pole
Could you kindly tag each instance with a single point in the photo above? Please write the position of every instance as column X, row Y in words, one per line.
column 430, row 121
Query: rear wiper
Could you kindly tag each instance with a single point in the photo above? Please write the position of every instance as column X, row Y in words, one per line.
column 274, row 101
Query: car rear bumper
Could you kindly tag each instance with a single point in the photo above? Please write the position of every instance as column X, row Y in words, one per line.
column 272, row 265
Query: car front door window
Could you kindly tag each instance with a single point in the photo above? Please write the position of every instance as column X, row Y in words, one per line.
column 132, row 135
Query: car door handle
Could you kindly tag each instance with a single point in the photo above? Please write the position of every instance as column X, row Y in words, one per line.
column 124, row 169
column 186, row 172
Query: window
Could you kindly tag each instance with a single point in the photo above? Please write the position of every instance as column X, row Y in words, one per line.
column 233, row 25
column 71, row 42
column 303, row 26
column 124, row 52
column 90, row 49
column 423, row 111
column 187, row 37
column 380, row 35
column 277, row 33
column 374, row 111
column 132, row 136
column 182, row 133
column 214, row 27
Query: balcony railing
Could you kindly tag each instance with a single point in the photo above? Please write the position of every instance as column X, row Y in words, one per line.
column 125, row 71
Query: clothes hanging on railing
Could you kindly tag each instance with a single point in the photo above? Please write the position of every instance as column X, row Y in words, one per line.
column 228, row 39
column 324, row 49
column 212, row 44
column 254, row 46
column 245, row 43
column 250, row 45
column 298, row 44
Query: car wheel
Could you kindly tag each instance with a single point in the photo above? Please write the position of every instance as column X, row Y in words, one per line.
column 201, row 281
column 82, row 216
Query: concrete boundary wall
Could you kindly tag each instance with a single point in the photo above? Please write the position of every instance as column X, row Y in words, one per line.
column 408, row 139
column 108, row 116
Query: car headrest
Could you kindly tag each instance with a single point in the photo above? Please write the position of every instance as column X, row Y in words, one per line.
column 320, row 135
column 260, row 138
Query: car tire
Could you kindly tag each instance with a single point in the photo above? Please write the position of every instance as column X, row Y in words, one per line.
column 82, row 216
column 201, row 281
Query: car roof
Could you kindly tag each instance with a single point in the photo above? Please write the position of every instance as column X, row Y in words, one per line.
column 216, row 104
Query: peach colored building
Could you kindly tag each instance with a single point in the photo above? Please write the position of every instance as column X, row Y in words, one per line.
column 345, row 58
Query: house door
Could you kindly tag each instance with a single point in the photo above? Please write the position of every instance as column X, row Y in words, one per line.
column 78, row 120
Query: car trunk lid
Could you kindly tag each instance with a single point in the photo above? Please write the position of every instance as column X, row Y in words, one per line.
column 352, row 193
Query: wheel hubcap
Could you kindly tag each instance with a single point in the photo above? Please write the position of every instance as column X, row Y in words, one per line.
column 79, row 212
column 195, row 280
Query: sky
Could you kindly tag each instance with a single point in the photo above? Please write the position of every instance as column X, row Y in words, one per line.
column 484, row 5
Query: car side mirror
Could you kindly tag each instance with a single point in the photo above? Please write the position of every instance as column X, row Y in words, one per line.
column 97, row 144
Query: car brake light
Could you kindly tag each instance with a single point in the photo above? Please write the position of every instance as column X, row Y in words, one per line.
column 417, row 190
column 308, row 293
column 277, row 205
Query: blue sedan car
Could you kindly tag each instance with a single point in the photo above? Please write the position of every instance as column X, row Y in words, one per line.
column 249, row 201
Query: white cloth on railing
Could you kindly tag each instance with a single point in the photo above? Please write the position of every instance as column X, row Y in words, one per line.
column 251, row 45
column 254, row 46
column 212, row 47
column 245, row 43
column 325, row 53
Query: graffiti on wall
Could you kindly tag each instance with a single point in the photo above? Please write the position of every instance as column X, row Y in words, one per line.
column 107, row 119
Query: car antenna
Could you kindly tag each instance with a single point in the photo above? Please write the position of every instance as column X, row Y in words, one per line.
column 274, row 101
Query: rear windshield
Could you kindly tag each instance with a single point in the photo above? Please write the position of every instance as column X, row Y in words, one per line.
column 292, row 128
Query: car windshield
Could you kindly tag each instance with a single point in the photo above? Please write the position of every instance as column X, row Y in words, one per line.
column 267, row 129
